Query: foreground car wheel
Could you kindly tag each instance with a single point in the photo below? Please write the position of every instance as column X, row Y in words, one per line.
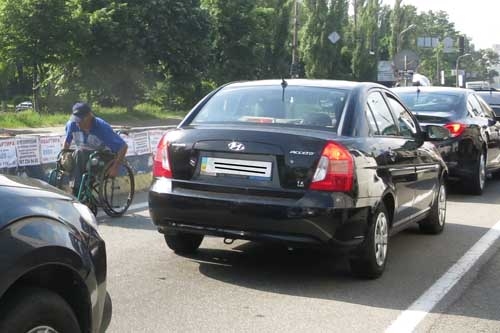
column 181, row 242
column 36, row 310
column 372, row 256
column 479, row 179
column 434, row 223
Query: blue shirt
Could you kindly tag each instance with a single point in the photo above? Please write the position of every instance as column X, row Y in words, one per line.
column 100, row 136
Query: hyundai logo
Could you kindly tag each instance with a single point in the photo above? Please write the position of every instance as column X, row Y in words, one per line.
column 236, row 146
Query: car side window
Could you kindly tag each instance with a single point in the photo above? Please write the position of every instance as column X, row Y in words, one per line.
column 487, row 111
column 372, row 124
column 407, row 126
column 474, row 104
column 382, row 115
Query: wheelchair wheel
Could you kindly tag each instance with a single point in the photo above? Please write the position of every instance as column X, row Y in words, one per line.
column 116, row 193
column 54, row 177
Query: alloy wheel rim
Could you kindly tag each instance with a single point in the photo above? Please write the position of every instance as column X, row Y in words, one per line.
column 381, row 237
column 42, row 329
column 482, row 172
column 442, row 205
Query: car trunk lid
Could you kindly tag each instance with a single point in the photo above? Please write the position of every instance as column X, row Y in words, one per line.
column 246, row 157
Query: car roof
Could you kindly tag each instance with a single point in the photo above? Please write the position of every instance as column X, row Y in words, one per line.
column 306, row 83
column 454, row 90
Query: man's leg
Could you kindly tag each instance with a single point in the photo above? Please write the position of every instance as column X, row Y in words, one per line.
column 80, row 157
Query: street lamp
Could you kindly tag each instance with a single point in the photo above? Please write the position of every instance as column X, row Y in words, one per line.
column 400, row 36
column 456, row 67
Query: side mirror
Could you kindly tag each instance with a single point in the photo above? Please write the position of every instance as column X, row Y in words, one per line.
column 436, row 133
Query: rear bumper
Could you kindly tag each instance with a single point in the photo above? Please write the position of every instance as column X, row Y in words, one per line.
column 460, row 158
column 317, row 218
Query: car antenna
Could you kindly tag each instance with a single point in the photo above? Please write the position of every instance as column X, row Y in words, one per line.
column 284, row 84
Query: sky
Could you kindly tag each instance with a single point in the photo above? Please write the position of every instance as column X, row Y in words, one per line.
column 478, row 19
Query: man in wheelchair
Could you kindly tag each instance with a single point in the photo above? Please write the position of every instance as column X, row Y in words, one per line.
column 89, row 134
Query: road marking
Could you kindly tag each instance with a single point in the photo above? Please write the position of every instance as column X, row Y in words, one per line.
column 408, row 320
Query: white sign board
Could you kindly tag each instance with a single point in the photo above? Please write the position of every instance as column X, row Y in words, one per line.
column 50, row 146
column 28, row 152
column 334, row 37
column 130, row 143
column 385, row 71
column 8, row 157
column 154, row 139
column 141, row 140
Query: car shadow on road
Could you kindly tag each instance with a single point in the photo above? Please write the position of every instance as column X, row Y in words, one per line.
column 415, row 262
column 457, row 193
column 129, row 221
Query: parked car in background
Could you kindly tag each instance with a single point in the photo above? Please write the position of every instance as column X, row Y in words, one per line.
column 473, row 149
column 492, row 97
column 52, row 261
column 335, row 164
column 24, row 106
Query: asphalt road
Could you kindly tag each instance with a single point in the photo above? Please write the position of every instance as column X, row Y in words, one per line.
column 245, row 287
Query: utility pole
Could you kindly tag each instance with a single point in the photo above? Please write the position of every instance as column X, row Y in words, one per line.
column 295, row 58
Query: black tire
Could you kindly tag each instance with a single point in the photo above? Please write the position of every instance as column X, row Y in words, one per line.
column 370, row 259
column 116, row 204
column 184, row 243
column 28, row 308
column 478, row 180
column 434, row 223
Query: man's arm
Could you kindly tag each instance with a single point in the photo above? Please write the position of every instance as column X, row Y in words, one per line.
column 120, row 155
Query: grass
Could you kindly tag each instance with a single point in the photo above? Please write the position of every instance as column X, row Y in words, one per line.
column 113, row 115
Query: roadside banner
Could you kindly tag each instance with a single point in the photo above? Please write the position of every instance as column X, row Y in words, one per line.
column 130, row 143
column 28, row 150
column 154, row 138
column 141, row 140
column 8, row 156
column 50, row 146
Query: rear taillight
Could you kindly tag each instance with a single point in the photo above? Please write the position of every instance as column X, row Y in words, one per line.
column 161, row 163
column 335, row 170
column 456, row 129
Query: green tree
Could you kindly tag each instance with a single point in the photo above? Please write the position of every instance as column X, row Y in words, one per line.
column 37, row 33
column 323, row 59
column 364, row 62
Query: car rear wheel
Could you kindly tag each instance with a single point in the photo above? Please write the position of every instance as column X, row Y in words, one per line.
column 369, row 262
column 434, row 223
column 181, row 242
column 479, row 178
column 36, row 310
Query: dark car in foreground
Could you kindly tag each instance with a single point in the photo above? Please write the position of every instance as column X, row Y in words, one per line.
column 334, row 164
column 473, row 149
column 52, row 261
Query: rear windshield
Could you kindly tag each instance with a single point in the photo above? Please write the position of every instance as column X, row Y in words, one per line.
column 431, row 101
column 275, row 106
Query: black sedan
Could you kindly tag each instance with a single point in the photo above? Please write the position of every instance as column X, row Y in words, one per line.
column 473, row 150
column 492, row 97
column 303, row 162
column 52, row 261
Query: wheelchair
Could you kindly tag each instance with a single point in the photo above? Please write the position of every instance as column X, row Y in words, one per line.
column 97, row 189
